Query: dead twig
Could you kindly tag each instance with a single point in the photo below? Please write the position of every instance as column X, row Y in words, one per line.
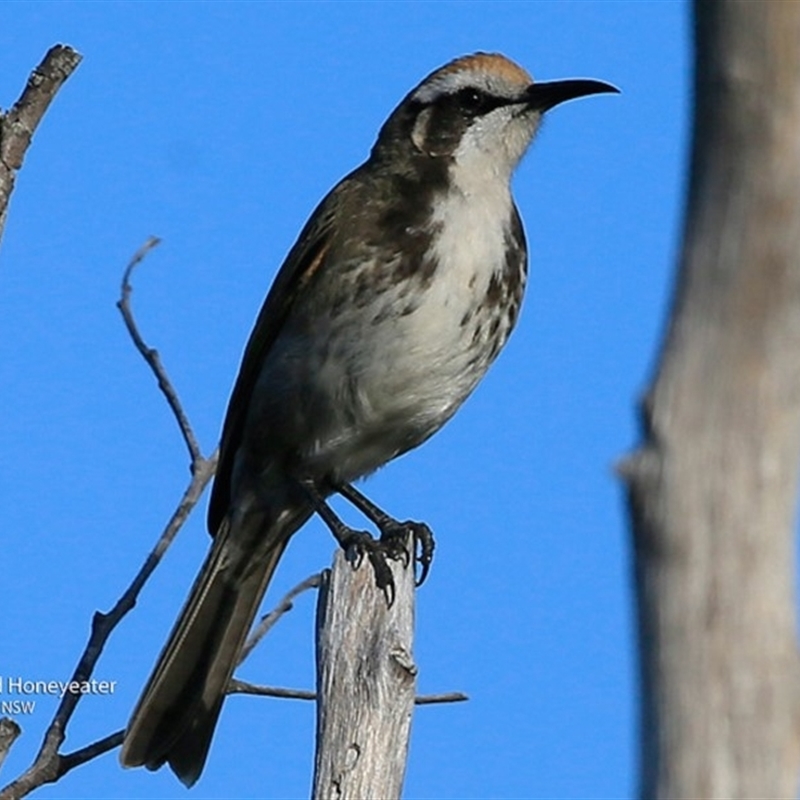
column 244, row 687
column 49, row 765
column 268, row 620
column 447, row 697
column 151, row 356
column 78, row 757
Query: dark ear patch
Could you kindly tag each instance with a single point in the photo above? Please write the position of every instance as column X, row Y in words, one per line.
column 419, row 133
column 438, row 128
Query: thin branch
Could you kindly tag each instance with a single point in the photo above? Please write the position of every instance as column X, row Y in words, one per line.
column 61, row 765
column 268, row 620
column 243, row 687
column 446, row 697
column 49, row 765
column 150, row 354
column 18, row 125
column 78, row 757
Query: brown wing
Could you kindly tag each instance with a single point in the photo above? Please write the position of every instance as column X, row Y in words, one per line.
column 304, row 259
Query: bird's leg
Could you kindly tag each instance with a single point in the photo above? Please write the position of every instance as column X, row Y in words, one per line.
column 360, row 541
column 393, row 532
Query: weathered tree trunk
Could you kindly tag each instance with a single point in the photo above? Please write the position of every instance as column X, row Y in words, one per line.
column 366, row 681
column 713, row 486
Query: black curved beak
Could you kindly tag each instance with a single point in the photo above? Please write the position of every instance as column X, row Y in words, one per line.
column 544, row 96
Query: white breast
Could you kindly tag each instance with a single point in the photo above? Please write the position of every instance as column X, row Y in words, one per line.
column 430, row 364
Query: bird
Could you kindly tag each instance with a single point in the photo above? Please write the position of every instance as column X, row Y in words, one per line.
column 399, row 293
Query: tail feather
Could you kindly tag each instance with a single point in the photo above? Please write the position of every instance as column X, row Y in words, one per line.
column 175, row 717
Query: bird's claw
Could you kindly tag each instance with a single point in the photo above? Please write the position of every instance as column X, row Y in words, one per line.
column 423, row 544
column 395, row 534
column 360, row 543
column 392, row 546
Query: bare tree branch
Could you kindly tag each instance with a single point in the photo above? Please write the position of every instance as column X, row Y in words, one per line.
column 49, row 765
column 268, row 620
column 78, row 757
column 434, row 699
column 17, row 126
column 60, row 765
column 243, row 687
column 151, row 356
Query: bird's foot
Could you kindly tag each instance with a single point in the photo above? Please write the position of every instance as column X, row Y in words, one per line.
column 379, row 552
column 359, row 543
column 394, row 534
column 392, row 545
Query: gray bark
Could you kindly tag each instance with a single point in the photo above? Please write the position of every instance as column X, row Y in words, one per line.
column 366, row 680
column 17, row 125
column 9, row 731
column 713, row 486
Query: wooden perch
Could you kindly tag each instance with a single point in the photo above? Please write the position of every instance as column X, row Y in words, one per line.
column 366, row 681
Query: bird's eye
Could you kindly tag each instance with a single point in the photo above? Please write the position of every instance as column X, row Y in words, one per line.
column 473, row 101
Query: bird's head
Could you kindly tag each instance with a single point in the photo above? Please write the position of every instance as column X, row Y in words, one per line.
column 479, row 111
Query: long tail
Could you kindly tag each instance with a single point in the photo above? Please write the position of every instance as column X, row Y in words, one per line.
column 174, row 720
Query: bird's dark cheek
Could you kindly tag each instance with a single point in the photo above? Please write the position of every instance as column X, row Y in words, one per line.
column 419, row 133
column 438, row 130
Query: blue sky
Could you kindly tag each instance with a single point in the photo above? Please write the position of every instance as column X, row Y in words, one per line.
column 218, row 127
